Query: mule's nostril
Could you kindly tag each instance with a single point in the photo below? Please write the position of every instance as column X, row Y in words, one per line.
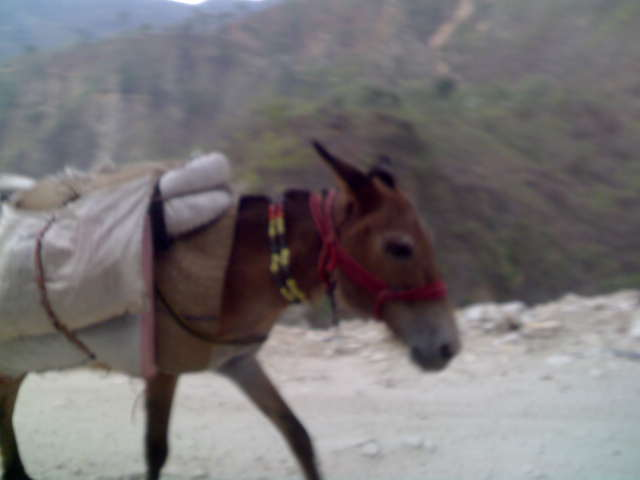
column 431, row 360
column 446, row 352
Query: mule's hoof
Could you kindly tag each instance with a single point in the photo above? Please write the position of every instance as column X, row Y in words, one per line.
column 16, row 474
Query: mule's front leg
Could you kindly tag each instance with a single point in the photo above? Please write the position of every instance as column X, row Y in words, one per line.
column 159, row 398
column 11, row 462
column 247, row 373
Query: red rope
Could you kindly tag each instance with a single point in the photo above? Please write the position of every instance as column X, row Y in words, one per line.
column 44, row 297
column 333, row 256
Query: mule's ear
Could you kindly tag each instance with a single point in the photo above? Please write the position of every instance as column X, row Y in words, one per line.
column 384, row 175
column 353, row 179
column 381, row 171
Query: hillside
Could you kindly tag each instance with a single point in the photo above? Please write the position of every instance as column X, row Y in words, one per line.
column 29, row 26
column 517, row 132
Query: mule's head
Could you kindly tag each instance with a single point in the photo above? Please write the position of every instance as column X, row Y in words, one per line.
column 380, row 229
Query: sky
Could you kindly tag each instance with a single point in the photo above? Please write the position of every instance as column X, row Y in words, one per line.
column 196, row 2
column 191, row 2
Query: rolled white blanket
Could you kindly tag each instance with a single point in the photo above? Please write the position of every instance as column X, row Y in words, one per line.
column 206, row 172
column 185, row 214
column 195, row 194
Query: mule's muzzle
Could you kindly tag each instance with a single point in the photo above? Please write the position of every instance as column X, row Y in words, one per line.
column 436, row 359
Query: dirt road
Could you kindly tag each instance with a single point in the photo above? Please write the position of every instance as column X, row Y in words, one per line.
column 557, row 399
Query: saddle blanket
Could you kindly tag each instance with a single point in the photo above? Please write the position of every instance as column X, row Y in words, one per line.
column 86, row 260
column 91, row 257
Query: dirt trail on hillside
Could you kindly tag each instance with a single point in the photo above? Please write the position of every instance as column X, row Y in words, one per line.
column 546, row 393
column 441, row 37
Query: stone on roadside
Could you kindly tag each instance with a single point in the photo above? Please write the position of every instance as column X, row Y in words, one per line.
column 430, row 446
column 413, row 441
column 371, row 449
column 559, row 360
column 509, row 338
column 494, row 317
column 542, row 329
column 634, row 330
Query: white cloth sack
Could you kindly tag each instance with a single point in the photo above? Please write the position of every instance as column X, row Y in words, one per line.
column 195, row 194
column 92, row 256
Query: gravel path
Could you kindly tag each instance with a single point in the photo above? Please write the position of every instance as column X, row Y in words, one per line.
column 554, row 399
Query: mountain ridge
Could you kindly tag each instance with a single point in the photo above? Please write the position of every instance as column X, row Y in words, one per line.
column 29, row 26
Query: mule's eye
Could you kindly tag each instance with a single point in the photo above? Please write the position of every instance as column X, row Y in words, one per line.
column 399, row 249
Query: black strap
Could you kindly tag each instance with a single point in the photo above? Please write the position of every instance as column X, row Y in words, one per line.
column 160, row 235
column 182, row 323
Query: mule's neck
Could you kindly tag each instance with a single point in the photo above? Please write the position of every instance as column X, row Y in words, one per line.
column 302, row 237
column 252, row 297
column 304, row 242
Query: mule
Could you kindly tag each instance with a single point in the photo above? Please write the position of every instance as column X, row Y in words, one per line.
column 366, row 239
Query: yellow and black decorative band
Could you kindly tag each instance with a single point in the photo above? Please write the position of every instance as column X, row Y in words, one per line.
column 281, row 256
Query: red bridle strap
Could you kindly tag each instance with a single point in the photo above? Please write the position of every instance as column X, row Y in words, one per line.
column 333, row 256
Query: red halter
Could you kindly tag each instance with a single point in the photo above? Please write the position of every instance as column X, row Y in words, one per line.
column 333, row 256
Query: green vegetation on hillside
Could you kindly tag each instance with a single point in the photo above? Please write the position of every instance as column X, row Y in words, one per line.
column 524, row 157
column 517, row 171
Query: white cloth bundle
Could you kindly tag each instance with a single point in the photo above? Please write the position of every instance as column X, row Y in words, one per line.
column 92, row 258
column 92, row 251
column 195, row 194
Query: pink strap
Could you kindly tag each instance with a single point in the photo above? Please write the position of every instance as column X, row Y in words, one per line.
column 147, row 347
column 322, row 214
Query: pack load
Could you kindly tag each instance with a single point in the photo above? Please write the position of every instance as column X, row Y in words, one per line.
column 80, row 258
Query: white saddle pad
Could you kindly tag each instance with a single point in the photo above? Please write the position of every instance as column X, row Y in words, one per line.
column 92, row 248
column 92, row 258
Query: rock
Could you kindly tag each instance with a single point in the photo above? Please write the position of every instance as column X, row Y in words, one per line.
column 596, row 373
column 413, row 441
column 377, row 357
column 371, row 449
column 634, row 330
column 509, row 338
column 430, row 446
column 626, row 354
column 514, row 308
column 559, row 360
column 472, row 314
column 542, row 329
column 571, row 298
column 493, row 317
